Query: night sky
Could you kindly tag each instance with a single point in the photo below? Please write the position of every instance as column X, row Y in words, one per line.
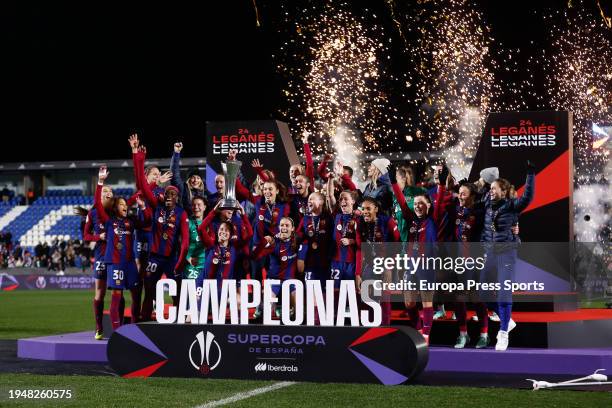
column 82, row 76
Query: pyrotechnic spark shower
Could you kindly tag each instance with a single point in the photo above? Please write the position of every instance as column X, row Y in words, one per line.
column 579, row 79
column 338, row 79
column 454, row 83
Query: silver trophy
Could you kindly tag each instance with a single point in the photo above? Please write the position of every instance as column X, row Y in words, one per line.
column 230, row 172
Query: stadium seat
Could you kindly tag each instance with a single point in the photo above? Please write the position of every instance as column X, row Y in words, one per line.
column 50, row 216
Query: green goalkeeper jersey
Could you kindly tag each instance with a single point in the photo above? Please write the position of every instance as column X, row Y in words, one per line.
column 402, row 225
column 196, row 254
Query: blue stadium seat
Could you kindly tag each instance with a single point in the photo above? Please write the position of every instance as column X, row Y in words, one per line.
column 64, row 192
column 66, row 224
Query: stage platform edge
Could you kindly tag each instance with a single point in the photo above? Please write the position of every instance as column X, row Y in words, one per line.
column 520, row 360
column 80, row 346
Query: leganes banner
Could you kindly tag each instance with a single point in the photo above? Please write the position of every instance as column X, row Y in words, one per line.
column 545, row 138
column 384, row 355
column 267, row 140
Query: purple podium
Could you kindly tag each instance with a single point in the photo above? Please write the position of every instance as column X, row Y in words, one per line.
column 79, row 346
column 82, row 347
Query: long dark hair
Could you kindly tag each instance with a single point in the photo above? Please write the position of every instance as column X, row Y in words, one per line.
column 292, row 238
column 81, row 211
column 84, row 212
column 112, row 206
column 281, row 195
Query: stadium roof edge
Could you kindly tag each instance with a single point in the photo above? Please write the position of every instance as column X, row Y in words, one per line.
column 94, row 164
column 185, row 162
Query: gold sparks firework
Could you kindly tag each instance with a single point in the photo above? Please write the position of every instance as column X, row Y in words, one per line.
column 256, row 10
column 453, row 82
column 607, row 20
column 338, row 82
column 457, row 79
column 579, row 79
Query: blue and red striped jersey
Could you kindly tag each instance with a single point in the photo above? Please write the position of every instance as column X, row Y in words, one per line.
column 466, row 224
column 93, row 228
column 316, row 232
column 423, row 230
column 267, row 219
column 157, row 192
column 346, row 226
column 283, row 256
column 168, row 226
column 299, row 207
column 220, row 262
column 120, row 240
column 119, row 231
column 384, row 229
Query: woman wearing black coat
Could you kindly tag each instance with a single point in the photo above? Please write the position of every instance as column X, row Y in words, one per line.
column 501, row 213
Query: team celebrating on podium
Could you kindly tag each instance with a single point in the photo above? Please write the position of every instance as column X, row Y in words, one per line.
column 313, row 229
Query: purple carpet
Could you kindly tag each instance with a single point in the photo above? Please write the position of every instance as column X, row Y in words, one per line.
column 79, row 346
column 82, row 347
column 520, row 360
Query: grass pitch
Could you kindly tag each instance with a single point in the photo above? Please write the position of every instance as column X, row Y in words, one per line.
column 34, row 313
column 31, row 313
column 178, row 392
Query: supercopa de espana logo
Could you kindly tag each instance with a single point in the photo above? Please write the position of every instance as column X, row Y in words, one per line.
column 205, row 352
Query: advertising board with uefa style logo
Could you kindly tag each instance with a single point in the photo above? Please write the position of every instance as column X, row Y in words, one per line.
column 386, row 355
